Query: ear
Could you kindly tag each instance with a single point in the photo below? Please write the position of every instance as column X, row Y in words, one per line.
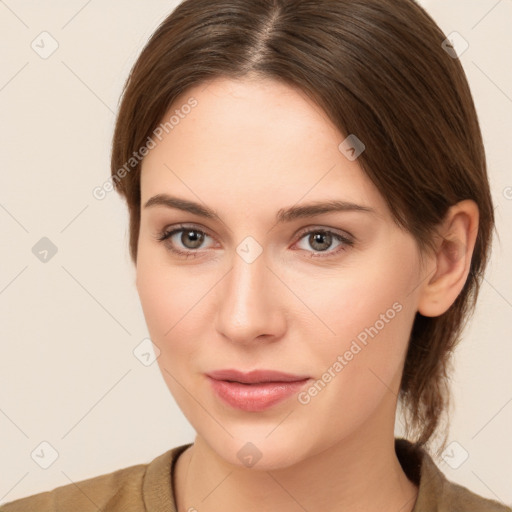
column 448, row 269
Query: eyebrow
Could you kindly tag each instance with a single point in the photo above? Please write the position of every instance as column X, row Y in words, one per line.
column 283, row 215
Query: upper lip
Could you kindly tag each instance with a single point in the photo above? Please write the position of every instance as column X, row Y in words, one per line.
column 255, row 376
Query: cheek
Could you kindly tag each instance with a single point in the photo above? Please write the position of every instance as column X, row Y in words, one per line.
column 173, row 305
column 369, row 315
column 166, row 294
column 173, row 301
column 358, row 371
column 156, row 298
column 167, row 300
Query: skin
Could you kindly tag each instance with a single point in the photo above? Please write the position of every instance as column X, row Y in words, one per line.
column 248, row 149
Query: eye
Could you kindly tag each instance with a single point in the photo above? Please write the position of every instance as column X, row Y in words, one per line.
column 190, row 240
column 322, row 239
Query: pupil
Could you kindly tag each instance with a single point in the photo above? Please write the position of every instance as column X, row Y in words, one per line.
column 196, row 239
column 321, row 238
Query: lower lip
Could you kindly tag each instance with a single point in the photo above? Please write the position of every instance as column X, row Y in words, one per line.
column 255, row 397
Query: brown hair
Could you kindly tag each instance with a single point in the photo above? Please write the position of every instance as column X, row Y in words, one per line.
column 378, row 69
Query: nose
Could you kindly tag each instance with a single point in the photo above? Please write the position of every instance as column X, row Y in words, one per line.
column 251, row 305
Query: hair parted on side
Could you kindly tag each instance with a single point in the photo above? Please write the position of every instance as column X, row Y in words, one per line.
column 379, row 71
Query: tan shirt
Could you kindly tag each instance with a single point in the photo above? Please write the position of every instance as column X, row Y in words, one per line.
column 148, row 487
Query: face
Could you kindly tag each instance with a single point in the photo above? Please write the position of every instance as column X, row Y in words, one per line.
column 326, row 294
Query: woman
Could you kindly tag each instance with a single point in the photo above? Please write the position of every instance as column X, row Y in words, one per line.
column 310, row 220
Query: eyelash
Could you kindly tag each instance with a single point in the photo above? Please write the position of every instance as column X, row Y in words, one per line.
column 165, row 235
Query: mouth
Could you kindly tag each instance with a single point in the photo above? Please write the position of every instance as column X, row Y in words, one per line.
column 257, row 390
column 255, row 376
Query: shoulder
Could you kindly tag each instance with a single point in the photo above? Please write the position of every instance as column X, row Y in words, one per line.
column 120, row 490
column 457, row 498
column 92, row 494
column 435, row 491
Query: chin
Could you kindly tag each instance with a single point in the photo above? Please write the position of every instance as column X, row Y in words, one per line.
column 258, row 453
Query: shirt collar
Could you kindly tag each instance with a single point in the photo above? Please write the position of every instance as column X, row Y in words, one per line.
column 158, row 492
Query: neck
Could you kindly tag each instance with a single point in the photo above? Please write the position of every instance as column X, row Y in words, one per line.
column 360, row 472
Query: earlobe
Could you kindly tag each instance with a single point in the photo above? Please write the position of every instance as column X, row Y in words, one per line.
column 449, row 267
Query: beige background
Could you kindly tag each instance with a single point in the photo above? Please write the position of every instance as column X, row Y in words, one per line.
column 68, row 374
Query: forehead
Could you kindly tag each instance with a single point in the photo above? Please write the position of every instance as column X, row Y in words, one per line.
column 252, row 139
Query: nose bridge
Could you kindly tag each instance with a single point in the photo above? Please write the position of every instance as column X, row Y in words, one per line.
column 247, row 307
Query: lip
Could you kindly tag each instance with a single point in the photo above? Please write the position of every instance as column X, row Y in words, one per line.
column 257, row 390
column 255, row 376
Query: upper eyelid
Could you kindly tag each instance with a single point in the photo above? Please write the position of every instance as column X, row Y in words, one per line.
column 179, row 228
column 340, row 232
